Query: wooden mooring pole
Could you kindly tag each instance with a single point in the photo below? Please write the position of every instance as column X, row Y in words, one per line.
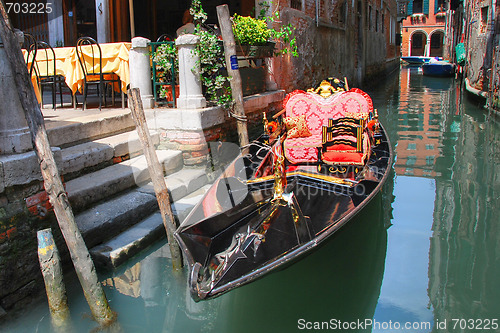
column 234, row 72
column 156, row 173
column 50, row 264
column 52, row 181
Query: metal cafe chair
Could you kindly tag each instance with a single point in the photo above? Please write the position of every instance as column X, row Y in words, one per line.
column 92, row 69
column 31, row 47
column 165, row 38
column 49, row 76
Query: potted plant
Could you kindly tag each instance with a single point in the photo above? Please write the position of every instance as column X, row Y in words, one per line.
column 258, row 40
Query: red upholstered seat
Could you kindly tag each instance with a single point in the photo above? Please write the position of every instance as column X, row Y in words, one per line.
column 342, row 154
column 317, row 111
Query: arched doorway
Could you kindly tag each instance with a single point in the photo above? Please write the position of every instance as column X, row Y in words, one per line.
column 418, row 43
column 437, row 38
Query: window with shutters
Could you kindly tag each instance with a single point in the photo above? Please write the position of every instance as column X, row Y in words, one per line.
column 418, row 6
column 296, row 4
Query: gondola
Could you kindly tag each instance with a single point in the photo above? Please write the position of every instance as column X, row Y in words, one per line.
column 273, row 204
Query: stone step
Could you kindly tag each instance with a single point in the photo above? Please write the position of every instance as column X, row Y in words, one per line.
column 93, row 153
column 88, row 126
column 117, row 250
column 96, row 186
column 112, row 229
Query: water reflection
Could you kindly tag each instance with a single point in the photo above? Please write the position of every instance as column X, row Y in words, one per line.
column 442, row 259
column 426, row 110
column 464, row 258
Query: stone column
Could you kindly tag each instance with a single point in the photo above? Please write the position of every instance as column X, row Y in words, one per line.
column 190, row 93
column 102, row 21
column 140, row 70
column 427, row 49
column 14, row 131
column 56, row 24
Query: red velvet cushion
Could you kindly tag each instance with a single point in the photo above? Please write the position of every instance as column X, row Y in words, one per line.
column 340, row 147
column 337, row 157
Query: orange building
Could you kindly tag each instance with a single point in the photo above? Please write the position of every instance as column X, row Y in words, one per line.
column 423, row 30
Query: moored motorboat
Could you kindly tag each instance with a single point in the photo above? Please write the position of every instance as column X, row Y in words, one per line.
column 438, row 68
column 416, row 60
column 287, row 191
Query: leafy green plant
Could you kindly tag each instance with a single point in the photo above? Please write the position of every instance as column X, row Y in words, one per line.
column 250, row 31
column 211, row 54
column 255, row 31
column 164, row 56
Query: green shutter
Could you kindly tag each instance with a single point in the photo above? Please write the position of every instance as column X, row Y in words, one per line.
column 410, row 8
column 436, row 6
column 426, row 7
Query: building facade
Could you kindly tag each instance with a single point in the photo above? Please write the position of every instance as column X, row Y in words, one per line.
column 353, row 39
column 423, row 30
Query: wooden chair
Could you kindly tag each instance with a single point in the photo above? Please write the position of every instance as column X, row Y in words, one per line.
column 344, row 142
column 50, row 76
column 92, row 69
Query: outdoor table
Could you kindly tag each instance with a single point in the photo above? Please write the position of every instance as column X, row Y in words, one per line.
column 115, row 59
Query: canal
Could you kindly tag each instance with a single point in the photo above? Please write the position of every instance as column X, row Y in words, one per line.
column 423, row 256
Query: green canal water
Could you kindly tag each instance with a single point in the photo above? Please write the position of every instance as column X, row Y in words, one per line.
column 423, row 256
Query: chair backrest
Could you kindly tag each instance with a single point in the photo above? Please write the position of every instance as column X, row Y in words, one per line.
column 89, row 56
column 318, row 109
column 346, row 131
column 50, row 59
column 165, row 38
column 30, row 45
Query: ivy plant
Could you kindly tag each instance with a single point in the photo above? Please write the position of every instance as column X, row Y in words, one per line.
column 212, row 63
column 163, row 56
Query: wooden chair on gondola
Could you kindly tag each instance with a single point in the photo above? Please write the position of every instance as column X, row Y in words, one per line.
column 91, row 65
column 345, row 143
column 47, row 75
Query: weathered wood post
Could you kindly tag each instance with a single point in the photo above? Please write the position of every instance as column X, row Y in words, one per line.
column 52, row 181
column 233, row 71
column 156, row 173
column 50, row 264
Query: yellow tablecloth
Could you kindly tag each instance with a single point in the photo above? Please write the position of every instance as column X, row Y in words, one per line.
column 114, row 60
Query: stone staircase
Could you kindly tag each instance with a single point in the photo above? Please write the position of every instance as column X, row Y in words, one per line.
column 108, row 184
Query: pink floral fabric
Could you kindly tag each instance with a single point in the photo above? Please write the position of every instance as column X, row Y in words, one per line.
column 317, row 110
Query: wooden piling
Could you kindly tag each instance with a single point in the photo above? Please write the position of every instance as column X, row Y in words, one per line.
column 234, row 72
column 156, row 173
column 58, row 197
column 50, row 265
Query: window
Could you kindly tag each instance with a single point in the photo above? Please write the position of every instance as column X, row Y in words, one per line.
column 370, row 20
column 376, row 20
column 484, row 19
column 412, row 146
column 296, row 4
column 416, row 41
column 440, row 6
column 342, row 13
column 418, row 6
column 436, row 40
column 411, row 160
